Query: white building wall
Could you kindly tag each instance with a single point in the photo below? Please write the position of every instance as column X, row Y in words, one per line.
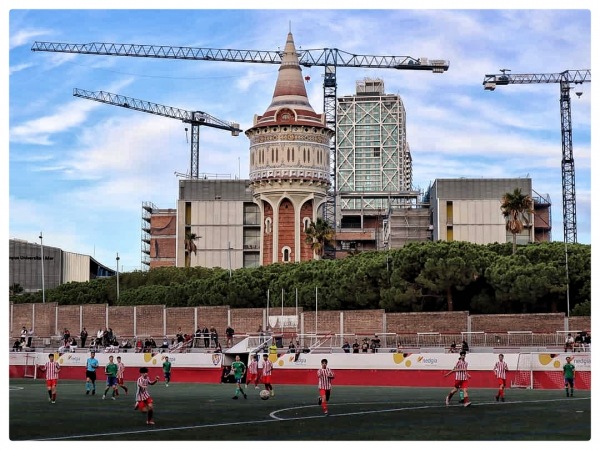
column 76, row 267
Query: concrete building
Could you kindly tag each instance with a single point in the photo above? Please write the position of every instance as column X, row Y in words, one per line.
column 159, row 236
column 377, row 205
column 469, row 210
column 289, row 165
column 25, row 266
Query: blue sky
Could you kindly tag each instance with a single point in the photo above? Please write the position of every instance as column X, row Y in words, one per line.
column 79, row 170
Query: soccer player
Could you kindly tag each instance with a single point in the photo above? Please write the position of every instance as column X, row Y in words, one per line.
column 142, row 396
column 51, row 368
column 461, row 379
column 324, row 375
column 111, row 371
column 239, row 369
column 121, row 376
column 167, row 370
column 500, row 369
column 266, row 374
column 252, row 372
column 569, row 374
column 90, row 373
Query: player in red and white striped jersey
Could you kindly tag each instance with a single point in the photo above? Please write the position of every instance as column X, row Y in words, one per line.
column 51, row 368
column 252, row 375
column 324, row 375
column 461, row 379
column 142, row 397
column 500, row 369
column 266, row 374
column 121, row 376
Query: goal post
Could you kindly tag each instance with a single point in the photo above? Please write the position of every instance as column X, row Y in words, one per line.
column 523, row 374
column 544, row 370
column 30, row 366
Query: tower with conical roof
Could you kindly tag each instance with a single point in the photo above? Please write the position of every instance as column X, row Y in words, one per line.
column 289, row 165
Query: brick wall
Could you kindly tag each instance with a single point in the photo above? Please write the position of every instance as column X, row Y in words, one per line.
column 537, row 323
column 68, row 317
column 120, row 319
column 442, row 322
column 286, row 230
column 49, row 319
column 149, row 320
column 180, row 317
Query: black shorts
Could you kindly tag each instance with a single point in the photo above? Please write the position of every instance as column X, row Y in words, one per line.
column 91, row 374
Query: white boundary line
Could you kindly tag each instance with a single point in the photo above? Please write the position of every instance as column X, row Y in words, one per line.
column 274, row 417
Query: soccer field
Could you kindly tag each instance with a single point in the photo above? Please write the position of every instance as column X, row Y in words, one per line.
column 196, row 412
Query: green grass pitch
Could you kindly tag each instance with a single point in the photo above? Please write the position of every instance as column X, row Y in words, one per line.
column 206, row 412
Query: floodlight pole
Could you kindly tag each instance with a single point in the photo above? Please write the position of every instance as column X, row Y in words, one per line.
column 42, row 249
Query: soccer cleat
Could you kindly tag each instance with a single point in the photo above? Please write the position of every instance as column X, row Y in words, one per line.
column 150, row 422
column 87, row 392
column 497, row 398
column 94, row 392
column 235, row 397
column 467, row 404
column 246, row 387
column 245, row 396
column 53, row 401
column 447, row 401
column 104, row 397
column 114, row 398
column 502, row 398
column 49, row 399
column 461, row 400
column 256, row 387
column 272, row 393
column 166, row 384
column 320, row 400
column 567, row 394
column 326, row 413
column 135, row 407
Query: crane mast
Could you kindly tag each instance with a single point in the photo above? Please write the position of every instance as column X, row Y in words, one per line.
column 194, row 118
column 329, row 58
column 565, row 79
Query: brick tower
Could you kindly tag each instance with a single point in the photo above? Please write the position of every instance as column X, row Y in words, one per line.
column 289, row 165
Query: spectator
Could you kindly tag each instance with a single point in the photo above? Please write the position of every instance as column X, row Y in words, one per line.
column 261, row 334
column 346, row 347
column 179, row 335
column 218, row 348
column 83, row 336
column 99, row 336
column 578, row 346
column 453, row 347
column 214, row 336
column 355, row 346
column 165, row 343
column 273, row 348
column 569, row 342
column 152, row 342
column 375, row 344
column 206, row 336
column 292, row 347
column 464, row 347
column 29, row 337
column 125, row 344
column 66, row 336
column 139, row 346
column 587, row 340
column 365, row 345
column 73, row 345
column 17, row 346
column 229, row 335
column 23, row 334
column 399, row 349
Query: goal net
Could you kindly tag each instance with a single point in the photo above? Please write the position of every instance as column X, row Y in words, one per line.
column 544, row 371
column 30, row 366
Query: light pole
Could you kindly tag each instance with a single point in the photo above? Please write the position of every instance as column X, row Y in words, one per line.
column 118, row 276
column 229, row 256
column 42, row 249
column 567, row 274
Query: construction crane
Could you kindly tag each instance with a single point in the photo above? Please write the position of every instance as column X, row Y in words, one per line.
column 329, row 58
column 195, row 118
column 566, row 79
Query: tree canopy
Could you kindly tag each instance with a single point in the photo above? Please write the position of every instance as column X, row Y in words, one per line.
column 425, row 276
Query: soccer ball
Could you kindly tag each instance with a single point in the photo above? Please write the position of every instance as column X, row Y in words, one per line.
column 265, row 394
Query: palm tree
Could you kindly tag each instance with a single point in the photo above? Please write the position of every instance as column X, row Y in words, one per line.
column 516, row 208
column 319, row 234
column 190, row 246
